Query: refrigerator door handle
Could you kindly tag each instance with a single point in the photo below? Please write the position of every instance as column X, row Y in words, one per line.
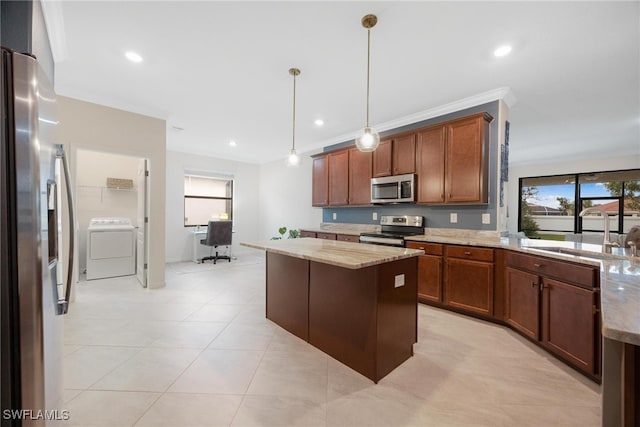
column 63, row 305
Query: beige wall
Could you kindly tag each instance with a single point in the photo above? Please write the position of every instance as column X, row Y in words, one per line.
column 90, row 126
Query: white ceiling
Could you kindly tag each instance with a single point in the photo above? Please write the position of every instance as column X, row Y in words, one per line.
column 220, row 69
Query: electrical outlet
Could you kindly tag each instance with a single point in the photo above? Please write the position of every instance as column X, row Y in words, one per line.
column 453, row 218
column 398, row 281
column 486, row 218
column 375, row 216
column 335, row 216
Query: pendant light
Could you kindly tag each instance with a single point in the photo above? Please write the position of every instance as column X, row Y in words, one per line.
column 293, row 160
column 369, row 139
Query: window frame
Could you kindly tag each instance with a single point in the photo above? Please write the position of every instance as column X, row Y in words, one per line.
column 578, row 200
column 212, row 176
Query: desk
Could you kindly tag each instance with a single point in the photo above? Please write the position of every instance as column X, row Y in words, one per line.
column 199, row 250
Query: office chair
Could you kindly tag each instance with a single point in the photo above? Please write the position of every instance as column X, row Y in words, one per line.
column 218, row 234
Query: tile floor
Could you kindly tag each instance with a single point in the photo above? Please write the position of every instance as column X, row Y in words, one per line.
column 200, row 352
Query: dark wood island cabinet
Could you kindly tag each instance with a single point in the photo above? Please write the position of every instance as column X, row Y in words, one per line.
column 355, row 302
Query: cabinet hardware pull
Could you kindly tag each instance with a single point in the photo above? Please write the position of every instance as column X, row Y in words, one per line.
column 538, row 265
column 533, row 285
column 595, row 310
column 467, row 253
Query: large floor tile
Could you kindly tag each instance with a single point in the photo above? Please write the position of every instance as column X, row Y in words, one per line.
column 293, row 374
column 190, row 409
column 108, row 408
column 220, row 372
column 280, row 411
column 87, row 365
column 152, row 369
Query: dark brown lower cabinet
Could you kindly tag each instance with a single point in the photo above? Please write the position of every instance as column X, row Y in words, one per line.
column 569, row 323
column 523, row 302
column 562, row 317
column 429, row 271
column 469, row 285
column 366, row 318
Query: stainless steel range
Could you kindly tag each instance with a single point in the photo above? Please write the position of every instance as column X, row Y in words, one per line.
column 394, row 228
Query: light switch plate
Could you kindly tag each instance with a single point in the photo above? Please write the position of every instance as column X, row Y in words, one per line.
column 335, row 216
column 375, row 216
column 486, row 218
column 453, row 218
column 399, row 281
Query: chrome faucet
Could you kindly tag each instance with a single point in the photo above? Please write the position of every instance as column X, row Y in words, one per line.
column 607, row 244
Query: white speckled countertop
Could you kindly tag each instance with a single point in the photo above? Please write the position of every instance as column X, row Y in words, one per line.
column 619, row 275
column 342, row 254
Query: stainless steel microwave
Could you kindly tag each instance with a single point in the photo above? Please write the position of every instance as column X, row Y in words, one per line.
column 393, row 189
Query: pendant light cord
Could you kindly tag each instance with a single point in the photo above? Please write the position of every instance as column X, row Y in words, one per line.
column 368, row 69
column 293, row 137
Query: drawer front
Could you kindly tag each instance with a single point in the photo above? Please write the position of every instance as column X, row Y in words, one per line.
column 428, row 248
column 581, row 275
column 470, row 252
column 326, row 236
column 348, row 238
column 304, row 233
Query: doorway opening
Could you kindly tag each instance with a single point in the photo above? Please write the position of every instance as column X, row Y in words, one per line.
column 112, row 211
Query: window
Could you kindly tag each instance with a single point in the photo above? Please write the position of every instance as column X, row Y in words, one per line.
column 206, row 199
column 547, row 203
column 553, row 203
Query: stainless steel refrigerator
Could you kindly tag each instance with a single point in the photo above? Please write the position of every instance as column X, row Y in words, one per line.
column 33, row 296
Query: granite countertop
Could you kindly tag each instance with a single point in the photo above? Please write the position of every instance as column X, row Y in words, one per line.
column 344, row 228
column 342, row 254
column 619, row 275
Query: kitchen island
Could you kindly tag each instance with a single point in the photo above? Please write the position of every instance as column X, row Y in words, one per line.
column 355, row 302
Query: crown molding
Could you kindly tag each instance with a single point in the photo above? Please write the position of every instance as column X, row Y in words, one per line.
column 504, row 94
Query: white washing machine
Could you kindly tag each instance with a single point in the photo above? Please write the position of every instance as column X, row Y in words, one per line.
column 111, row 248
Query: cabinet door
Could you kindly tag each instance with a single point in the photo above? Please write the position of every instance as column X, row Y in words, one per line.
column 339, row 178
column 430, row 155
column 430, row 277
column 469, row 285
column 569, row 323
column 466, row 160
column 360, row 172
column 523, row 302
column 404, row 154
column 320, row 185
column 382, row 159
column 306, row 233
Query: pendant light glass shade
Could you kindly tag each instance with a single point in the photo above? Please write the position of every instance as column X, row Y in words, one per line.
column 293, row 160
column 369, row 139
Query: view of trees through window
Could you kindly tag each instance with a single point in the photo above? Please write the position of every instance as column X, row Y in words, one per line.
column 550, row 205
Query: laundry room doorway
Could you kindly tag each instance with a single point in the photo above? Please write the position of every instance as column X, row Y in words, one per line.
column 112, row 211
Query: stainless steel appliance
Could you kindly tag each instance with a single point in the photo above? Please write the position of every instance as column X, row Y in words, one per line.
column 31, row 174
column 393, row 189
column 393, row 230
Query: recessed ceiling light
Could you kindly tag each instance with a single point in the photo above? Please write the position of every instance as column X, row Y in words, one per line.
column 319, row 122
column 232, row 143
column 177, row 128
column 502, row 51
column 133, row 57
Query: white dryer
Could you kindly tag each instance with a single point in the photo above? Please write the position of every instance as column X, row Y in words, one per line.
column 111, row 248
